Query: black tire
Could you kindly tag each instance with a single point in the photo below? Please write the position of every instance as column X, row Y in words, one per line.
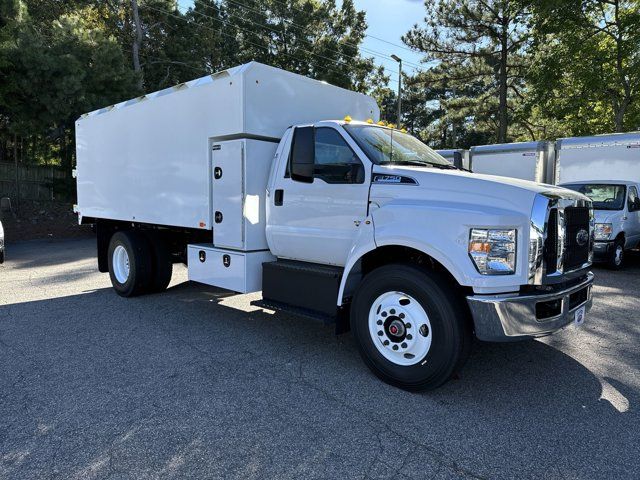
column 162, row 264
column 447, row 314
column 617, row 256
column 138, row 251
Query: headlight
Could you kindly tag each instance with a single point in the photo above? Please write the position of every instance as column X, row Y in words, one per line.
column 493, row 251
column 603, row 231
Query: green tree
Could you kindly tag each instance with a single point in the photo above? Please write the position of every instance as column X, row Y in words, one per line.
column 59, row 73
column 477, row 42
column 585, row 76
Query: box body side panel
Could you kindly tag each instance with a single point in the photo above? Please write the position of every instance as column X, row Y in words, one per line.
column 613, row 162
column 149, row 162
column 522, row 165
column 275, row 100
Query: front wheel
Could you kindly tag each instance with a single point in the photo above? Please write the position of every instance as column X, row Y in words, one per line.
column 412, row 329
column 617, row 256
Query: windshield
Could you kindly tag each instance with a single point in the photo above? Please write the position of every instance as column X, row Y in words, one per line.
column 603, row 196
column 386, row 146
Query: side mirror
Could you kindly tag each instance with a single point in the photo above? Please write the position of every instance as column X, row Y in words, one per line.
column 457, row 159
column 303, row 155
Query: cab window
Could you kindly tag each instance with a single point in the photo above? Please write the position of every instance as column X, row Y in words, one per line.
column 335, row 162
column 633, row 201
column 333, row 159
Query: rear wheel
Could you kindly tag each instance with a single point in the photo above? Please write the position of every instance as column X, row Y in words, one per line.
column 130, row 265
column 617, row 256
column 411, row 328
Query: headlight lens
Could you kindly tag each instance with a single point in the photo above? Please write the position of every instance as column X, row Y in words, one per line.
column 493, row 251
column 603, row 231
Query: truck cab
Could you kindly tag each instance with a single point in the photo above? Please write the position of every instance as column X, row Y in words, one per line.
column 616, row 208
column 418, row 246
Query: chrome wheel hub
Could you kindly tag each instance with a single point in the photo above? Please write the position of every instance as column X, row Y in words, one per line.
column 619, row 253
column 400, row 328
column 120, row 262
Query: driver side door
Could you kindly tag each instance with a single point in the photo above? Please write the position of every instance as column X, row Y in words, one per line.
column 633, row 217
column 315, row 218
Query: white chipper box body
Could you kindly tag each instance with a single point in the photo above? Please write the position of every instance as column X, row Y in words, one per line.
column 148, row 160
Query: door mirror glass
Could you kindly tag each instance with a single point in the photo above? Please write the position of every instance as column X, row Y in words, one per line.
column 303, row 155
column 633, row 201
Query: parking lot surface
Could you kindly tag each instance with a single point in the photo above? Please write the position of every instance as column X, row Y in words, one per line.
column 196, row 383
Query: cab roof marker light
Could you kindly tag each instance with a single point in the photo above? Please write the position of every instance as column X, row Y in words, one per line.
column 347, row 118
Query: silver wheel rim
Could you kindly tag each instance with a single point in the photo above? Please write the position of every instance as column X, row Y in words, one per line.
column 619, row 253
column 400, row 328
column 121, row 264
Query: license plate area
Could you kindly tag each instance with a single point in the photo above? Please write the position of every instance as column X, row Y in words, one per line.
column 579, row 314
column 578, row 298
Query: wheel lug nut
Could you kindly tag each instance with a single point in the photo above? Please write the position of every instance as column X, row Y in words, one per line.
column 384, row 314
column 401, row 315
column 424, row 330
column 379, row 322
column 380, row 333
column 395, row 347
column 409, row 336
column 407, row 325
column 386, row 342
column 392, row 311
column 404, row 345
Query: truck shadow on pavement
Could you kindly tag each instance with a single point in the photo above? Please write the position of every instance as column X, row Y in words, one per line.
column 195, row 382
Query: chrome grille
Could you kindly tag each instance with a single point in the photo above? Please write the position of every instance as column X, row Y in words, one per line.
column 566, row 249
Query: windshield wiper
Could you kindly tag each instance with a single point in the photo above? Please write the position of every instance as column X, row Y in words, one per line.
column 416, row 163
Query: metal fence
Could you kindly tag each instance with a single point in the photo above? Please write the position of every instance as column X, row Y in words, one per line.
column 32, row 182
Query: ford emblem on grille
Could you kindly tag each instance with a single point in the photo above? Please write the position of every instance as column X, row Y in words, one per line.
column 582, row 237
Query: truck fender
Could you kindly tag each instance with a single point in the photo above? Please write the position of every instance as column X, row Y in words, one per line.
column 371, row 237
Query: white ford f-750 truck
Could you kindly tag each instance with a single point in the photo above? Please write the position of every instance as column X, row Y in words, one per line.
column 245, row 177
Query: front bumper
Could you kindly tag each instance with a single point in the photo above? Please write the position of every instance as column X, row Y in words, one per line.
column 602, row 250
column 506, row 317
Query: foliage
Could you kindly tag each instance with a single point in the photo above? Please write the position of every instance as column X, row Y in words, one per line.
column 495, row 70
column 478, row 47
column 585, row 72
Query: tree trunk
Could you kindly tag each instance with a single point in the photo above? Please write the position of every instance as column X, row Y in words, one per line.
column 15, row 159
column 620, row 108
column 503, row 118
column 137, row 43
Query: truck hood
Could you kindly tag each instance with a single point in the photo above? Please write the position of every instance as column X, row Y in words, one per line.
column 608, row 216
column 424, row 183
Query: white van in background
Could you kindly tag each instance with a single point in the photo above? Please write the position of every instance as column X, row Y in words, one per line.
column 606, row 168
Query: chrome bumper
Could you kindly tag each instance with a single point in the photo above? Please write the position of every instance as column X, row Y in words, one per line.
column 506, row 317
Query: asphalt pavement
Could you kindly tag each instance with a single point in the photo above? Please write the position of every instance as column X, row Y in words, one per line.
column 195, row 383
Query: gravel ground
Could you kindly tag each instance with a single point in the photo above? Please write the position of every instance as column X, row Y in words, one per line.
column 195, row 383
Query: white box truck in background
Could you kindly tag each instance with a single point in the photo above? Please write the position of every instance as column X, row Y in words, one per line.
column 532, row 161
column 606, row 168
column 248, row 178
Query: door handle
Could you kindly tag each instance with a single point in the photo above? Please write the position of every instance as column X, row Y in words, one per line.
column 278, row 197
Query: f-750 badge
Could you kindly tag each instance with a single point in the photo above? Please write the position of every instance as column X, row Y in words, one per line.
column 394, row 179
